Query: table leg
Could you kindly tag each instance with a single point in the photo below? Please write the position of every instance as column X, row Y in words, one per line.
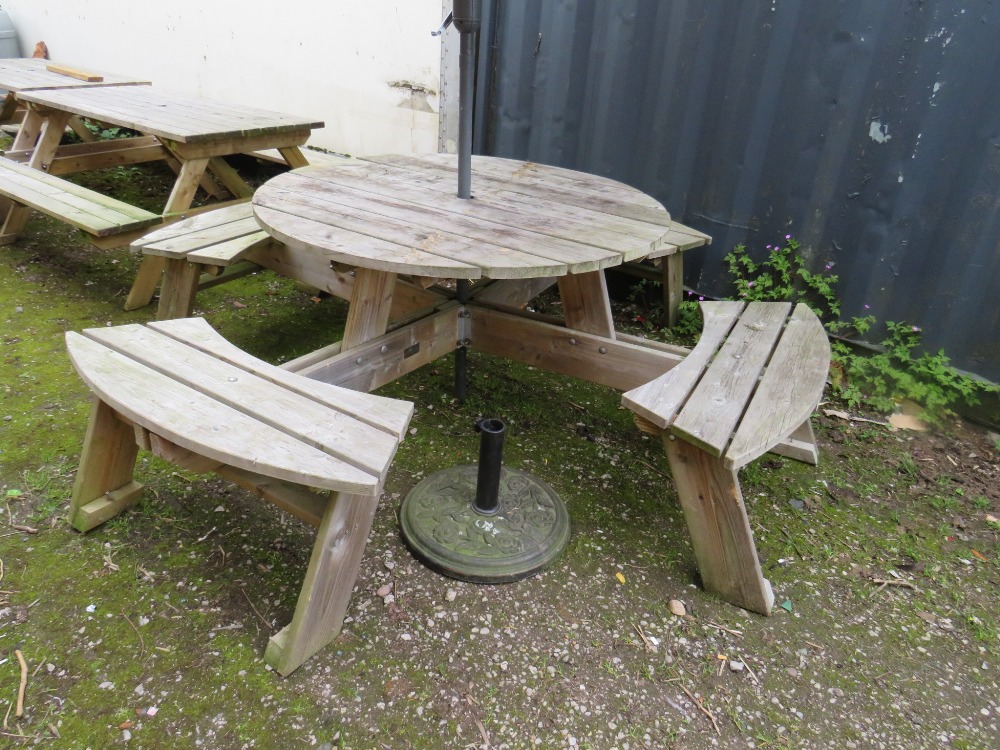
column 368, row 314
column 585, row 303
column 673, row 286
column 152, row 266
column 293, row 156
column 229, row 177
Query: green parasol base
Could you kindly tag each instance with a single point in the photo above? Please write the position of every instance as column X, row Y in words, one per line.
column 441, row 526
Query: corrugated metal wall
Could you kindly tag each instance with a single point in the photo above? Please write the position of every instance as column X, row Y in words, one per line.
column 868, row 129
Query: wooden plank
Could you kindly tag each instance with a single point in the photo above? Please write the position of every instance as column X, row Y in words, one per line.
column 512, row 293
column 339, row 435
column 305, row 505
column 551, row 347
column 82, row 75
column 389, row 357
column 789, row 390
column 371, row 301
column 628, row 239
column 659, row 400
column 715, row 406
column 717, row 522
column 542, row 181
column 196, row 222
column 500, row 252
column 329, row 580
column 180, row 285
column 106, row 466
column 195, row 240
column 303, row 235
column 179, row 117
column 389, row 415
column 204, row 425
column 585, row 303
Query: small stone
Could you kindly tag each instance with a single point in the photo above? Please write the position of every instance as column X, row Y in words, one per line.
column 736, row 666
column 406, row 637
column 676, row 607
column 126, row 735
column 106, row 686
column 450, row 596
column 388, row 599
column 384, row 590
column 389, row 564
column 139, row 689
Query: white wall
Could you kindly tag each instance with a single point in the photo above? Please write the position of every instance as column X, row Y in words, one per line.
column 335, row 60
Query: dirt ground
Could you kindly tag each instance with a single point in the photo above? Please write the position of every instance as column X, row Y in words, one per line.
column 148, row 632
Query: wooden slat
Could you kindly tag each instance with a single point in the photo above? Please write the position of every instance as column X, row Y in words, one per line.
column 389, row 415
column 333, row 432
column 27, row 73
column 545, row 182
column 501, row 252
column 659, row 400
column 349, row 247
column 81, row 75
column 85, row 209
column 173, row 116
column 715, row 406
column 629, row 239
column 620, row 365
column 788, row 392
column 204, row 425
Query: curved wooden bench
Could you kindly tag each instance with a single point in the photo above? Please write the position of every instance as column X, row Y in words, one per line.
column 748, row 387
column 181, row 391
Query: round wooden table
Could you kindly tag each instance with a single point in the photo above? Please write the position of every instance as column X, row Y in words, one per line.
column 391, row 215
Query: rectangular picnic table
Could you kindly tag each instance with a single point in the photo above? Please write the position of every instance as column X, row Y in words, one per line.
column 190, row 133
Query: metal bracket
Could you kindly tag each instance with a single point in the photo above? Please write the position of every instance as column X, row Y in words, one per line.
column 464, row 327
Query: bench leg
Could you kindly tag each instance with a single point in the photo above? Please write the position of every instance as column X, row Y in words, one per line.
column 146, row 279
column 800, row 445
column 326, row 590
column 104, row 486
column 720, row 532
column 180, row 285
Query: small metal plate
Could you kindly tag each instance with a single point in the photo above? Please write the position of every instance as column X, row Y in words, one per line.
column 443, row 530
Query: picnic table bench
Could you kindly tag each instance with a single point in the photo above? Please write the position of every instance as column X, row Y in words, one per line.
column 180, row 390
column 98, row 215
column 748, row 387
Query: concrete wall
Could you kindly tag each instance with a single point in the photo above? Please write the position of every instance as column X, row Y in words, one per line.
column 370, row 69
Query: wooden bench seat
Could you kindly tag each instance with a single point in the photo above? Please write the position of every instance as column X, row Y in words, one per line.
column 96, row 214
column 200, row 251
column 748, row 387
column 181, row 391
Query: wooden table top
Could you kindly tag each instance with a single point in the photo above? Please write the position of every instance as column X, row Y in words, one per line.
column 29, row 74
column 401, row 214
column 169, row 115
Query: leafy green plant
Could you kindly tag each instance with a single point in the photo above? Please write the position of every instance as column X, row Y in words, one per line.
column 876, row 378
column 783, row 276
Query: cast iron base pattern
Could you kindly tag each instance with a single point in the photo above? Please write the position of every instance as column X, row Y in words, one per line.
column 441, row 527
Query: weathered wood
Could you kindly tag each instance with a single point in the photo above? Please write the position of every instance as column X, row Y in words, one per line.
column 749, row 386
column 371, row 301
column 717, row 403
column 788, row 392
column 660, row 399
column 585, row 303
column 19, row 74
column 384, row 359
column 386, row 414
column 326, row 590
column 85, row 209
column 593, row 358
column 104, row 485
column 180, row 285
column 82, row 75
column 196, row 400
column 717, row 522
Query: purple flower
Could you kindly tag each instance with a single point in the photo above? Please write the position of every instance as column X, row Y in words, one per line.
column 701, row 299
column 868, row 307
column 916, row 329
column 751, row 283
column 788, row 236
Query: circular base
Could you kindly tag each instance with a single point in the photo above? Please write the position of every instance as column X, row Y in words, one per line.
column 441, row 527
